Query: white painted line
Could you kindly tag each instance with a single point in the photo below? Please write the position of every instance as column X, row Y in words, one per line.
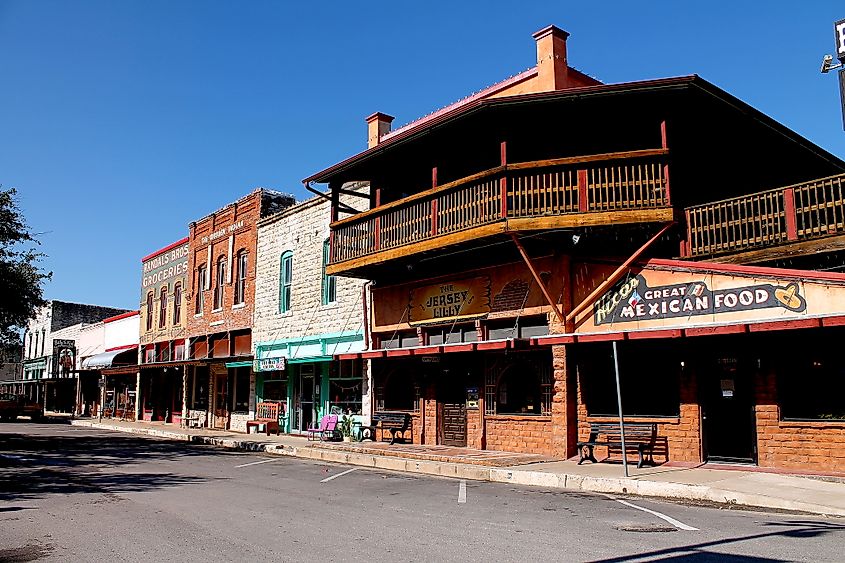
column 462, row 492
column 669, row 519
column 327, row 479
column 255, row 463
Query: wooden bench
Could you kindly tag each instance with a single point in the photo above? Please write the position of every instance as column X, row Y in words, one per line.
column 638, row 436
column 395, row 423
column 325, row 431
column 267, row 415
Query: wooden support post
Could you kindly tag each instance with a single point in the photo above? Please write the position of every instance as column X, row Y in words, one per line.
column 434, row 203
column 335, row 201
column 377, row 223
column 665, row 144
column 789, row 214
column 503, row 181
column 614, row 277
column 537, row 278
column 583, row 204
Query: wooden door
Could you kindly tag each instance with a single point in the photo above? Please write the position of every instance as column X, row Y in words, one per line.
column 454, row 424
column 221, row 410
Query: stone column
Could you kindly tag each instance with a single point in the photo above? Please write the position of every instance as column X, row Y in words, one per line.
column 564, row 405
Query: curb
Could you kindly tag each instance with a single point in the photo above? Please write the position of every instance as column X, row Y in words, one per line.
column 524, row 477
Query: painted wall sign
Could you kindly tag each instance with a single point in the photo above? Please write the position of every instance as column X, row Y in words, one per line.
column 164, row 266
column 450, row 301
column 64, row 357
column 222, row 232
column 269, row 364
column 633, row 300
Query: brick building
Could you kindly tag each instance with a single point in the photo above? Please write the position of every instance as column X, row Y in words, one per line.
column 303, row 318
column 221, row 261
column 511, row 241
column 163, row 338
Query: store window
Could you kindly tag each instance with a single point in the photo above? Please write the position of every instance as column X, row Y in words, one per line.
column 520, row 327
column 648, row 373
column 240, row 285
column 200, row 388
column 811, row 386
column 329, row 282
column 285, row 278
column 177, row 303
column 240, row 400
column 201, row 283
column 399, row 393
column 220, row 273
column 150, row 310
column 521, row 385
column 452, row 334
column 162, row 308
column 400, row 340
column 345, row 387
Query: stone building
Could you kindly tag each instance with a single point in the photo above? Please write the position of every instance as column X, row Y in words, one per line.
column 303, row 317
column 526, row 240
column 221, row 261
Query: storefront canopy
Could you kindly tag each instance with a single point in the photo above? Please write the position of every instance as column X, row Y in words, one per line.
column 111, row 359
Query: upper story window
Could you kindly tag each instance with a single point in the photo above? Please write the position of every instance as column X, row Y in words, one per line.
column 221, row 281
column 150, row 310
column 177, row 303
column 329, row 282
column 29, row 347
column 202, row 277
column 162, row 308
column 240, row 284
column 43, row 339
column 36, row 345
column 285, row 277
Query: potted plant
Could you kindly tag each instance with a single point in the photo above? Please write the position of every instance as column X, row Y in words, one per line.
column 346, row 427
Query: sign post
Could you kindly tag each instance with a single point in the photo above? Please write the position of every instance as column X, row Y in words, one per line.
column 621, row 416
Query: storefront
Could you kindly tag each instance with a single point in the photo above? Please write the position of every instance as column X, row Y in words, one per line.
column 161, row 392
column 302, row 375
column 117, row 382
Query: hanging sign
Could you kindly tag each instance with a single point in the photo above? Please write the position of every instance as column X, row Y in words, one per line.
column 269, row 364
column 450, row 301
column 839, row 36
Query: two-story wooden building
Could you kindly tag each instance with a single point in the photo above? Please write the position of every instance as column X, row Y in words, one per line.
column 513, row 236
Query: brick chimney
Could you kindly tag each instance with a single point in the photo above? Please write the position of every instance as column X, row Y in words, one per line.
column 378, row 125
column 553, row 71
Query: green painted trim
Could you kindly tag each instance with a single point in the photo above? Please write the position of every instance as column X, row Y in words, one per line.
column 310, row 360
column 239, row 364
column 332, row 336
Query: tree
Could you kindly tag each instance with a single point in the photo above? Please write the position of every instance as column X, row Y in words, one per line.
column 21, row 278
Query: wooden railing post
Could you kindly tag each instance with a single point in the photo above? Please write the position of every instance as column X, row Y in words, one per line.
column 789, row 214
column 665, row 144
column 377, row 223
column 685, row 244
column 503, row 181
column 583, row 205
column 335, row 201
column 434, row 203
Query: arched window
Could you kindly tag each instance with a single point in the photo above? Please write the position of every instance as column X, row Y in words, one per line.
column 240, row 283
column 162, row 308
column 285, row 278
column 221, row 280
column 329, row 282
column 36, row 344
column 177, row 303
column 150, row 310
column 202, row 276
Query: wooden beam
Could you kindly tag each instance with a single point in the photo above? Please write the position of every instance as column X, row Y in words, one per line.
column 779, row 252
column 614, row 277
column 355, row 194
column 537, row 279
column 588, row 158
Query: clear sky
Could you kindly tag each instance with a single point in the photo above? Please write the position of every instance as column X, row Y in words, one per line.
column 122, row 121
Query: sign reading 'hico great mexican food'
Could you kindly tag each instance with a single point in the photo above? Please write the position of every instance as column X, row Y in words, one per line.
column 677, row 299
column 450, row 301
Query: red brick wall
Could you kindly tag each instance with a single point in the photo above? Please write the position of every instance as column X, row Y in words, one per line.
column 475, row 428
column 815, row 445
column 678, row 438
column 514, row 433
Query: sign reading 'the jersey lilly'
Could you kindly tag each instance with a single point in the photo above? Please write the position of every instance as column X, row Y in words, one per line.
column 458, row 300
column 658, row 298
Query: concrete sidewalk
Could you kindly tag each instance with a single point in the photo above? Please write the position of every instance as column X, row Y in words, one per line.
column 728, row 486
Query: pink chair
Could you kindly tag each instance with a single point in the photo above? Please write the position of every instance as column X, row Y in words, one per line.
column 325, row 430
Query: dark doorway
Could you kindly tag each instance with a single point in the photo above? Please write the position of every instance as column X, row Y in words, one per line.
column 451, row 396
column 728, row 410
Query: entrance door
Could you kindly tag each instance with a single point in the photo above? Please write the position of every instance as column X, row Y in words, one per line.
column 304, row 387
column 221, row 396
column 453, row 408
column 728, row 411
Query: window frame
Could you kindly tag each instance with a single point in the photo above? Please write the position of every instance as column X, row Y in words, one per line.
column 202, row 273
column 162, row 307
column 329, row 283
column 242, row 262
column 285, row 281
column 150, row 303
column 220, row 283
column 177, row 303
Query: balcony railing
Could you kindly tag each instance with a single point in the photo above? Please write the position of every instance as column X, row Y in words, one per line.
column 595, row 183
column 794, row 213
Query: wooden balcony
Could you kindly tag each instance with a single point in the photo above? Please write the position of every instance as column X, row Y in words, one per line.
column 785, row 216
column 560, row 193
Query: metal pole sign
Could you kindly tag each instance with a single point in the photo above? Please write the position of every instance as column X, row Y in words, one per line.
column 842, row 95
column 621, row 416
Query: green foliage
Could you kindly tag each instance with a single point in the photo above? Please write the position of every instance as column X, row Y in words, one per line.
column 346, row 426
column 21, row 280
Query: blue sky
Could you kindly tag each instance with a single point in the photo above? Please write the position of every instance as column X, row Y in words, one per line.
column 122, row 121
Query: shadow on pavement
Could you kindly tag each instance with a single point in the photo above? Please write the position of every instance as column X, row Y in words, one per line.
column 701, row 552
column 33, row 465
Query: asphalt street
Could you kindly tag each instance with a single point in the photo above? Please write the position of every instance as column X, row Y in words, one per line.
column 76, row 494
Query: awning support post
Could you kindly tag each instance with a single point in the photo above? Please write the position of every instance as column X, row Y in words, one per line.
column 537, row 279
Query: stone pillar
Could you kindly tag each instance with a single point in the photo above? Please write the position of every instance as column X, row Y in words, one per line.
column 564, row 404
column 367, row 391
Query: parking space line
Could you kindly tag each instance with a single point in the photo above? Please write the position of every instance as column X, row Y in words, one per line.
column 255, row 463
column 462, row 492
column 342, row 473
column 660, row 515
